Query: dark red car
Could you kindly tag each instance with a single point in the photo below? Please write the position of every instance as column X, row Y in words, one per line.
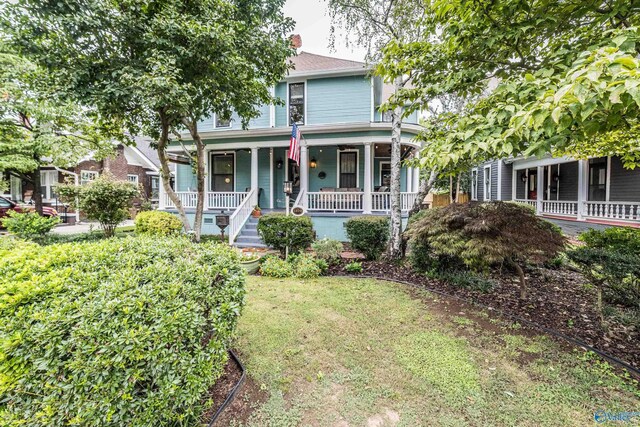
column 7, row 205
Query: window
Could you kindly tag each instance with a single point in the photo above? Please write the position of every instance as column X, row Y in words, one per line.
column 133, row 179
column 296, row 103
column 48, row 180
column 16, row 188
column 155, row 187
column 474, row 184
column 87, row 176
column 221, row 123
column 598, row 179
column 487, row 183
column 348, row 171
column 5, row 204
column 222, row 171
column 385, row 174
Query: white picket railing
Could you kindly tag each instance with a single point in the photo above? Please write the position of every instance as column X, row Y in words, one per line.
column 529, row 202
column 298, row 202
column 381, row 202
column 629, row 211
column 335, row 201
column 213, row 200
column 241, row 215
column 560, row 207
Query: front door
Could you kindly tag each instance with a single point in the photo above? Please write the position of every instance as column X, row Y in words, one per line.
column 348, row 169
column 598, row 180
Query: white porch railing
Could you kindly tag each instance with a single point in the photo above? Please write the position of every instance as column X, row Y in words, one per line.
column 529, row 202
column 241, row 215
column 407, row 200
column 559, row 207
column 213, row 200
column 299, row 200
column 629, row 211
column 335, row 201
column 381, row 202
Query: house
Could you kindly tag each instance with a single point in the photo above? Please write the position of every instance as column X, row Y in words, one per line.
column 598, row 190
column 137, row 164
column 344, row 158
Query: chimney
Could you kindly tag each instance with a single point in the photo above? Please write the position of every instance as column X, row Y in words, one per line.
column 296, row 41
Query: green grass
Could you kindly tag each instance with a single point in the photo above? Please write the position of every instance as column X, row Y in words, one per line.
column 362, row 352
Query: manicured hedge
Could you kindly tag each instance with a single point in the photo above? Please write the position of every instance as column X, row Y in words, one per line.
column 118, row 332
column 279, row 231
column 157, row 223
column 368, row 234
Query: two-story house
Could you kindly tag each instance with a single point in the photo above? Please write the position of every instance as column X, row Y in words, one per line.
column 344, row 165
column 598, row 190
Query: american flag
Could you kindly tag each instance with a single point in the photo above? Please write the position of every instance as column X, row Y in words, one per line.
column 294, row 144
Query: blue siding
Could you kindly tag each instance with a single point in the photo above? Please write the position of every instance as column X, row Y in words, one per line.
column 333, row 227
column 263, row 176
column 338, row 100
column 262, row 121
column 243, row 170
column 327, row 163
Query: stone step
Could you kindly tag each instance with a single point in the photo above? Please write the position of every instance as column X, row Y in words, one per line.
column 240, row 244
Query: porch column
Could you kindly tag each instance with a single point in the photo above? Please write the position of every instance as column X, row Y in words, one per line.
column 368, row 178
column 304, row 173
column 583, row 179
column 409, row 179
column 539, row 189
column 416, row 179
column 271, row 178
column 254, row 174
column 514, row 184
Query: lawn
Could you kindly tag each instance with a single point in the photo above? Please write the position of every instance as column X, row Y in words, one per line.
column 352, row 352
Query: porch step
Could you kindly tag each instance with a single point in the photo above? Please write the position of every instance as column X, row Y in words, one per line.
column 249, row 237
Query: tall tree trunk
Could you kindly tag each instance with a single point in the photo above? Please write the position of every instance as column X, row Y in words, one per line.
column 37, row 189
column 394, row 248
column 458, row 188
column 165, row 172
column 423, row 190
column 451, row 190
column 200, row 174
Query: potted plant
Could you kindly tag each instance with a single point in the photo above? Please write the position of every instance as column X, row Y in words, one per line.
column 256, row 211
column 250, row 262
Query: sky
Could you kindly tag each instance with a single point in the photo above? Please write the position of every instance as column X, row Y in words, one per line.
column 314, row 25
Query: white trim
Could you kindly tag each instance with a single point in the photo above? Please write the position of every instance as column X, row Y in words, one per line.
column 484, row 183
column 288, row 112
column 373, row 100
column 143, row 157
column 474, row 185
column 210, row 172
column 96, row 174
column 133, row 175
column 535, row 162
column 343, row 72
column 272, row 109
column 499, row 186
column 351, row 150
column 271, row 178
column 608, row 178
column 215, row 122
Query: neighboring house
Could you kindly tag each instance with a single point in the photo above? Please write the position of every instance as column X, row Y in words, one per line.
column 345, row 152
column 136, row 164
column 595, row 190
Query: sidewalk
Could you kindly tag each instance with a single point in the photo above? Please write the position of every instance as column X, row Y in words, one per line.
column 84, row 227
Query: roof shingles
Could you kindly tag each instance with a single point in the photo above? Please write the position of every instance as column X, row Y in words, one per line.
column 306, row 63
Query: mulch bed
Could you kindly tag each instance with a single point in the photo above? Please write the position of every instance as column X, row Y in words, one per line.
column 557, row 300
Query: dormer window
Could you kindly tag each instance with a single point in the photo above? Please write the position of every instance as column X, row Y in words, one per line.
column 296, row 103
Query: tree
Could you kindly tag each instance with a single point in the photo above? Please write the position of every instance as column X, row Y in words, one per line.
column 376, row 24
column 104, row 199
column 545, row 65
column 159, row 68
column 37, row 128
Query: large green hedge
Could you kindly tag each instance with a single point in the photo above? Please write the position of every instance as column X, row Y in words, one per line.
column 279, row 231
column 118, row 332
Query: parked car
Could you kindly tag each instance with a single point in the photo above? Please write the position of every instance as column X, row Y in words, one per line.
column 7, row 205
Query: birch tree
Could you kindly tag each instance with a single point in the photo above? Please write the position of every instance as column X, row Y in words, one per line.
column 159, row 68
column 374, row 24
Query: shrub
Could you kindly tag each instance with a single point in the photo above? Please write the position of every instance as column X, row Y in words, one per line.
column 273, row 266
column 327, row 249
column 305, row 266
column 105, row 200
column 279, row 231
column 368, row 234
column 354, row 267
column 622, row 239
column 484, row 234
column 129, row 331
column 322, row 265
column 157, row 223
column 29, row 225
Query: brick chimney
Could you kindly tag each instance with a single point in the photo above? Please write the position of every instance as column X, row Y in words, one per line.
column 296, row 41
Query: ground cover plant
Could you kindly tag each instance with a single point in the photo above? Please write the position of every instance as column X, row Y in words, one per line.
column 129, row 331
column 336, row 351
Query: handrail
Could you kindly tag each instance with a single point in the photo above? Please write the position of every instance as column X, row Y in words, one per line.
column 300, row 198
column 241, row 215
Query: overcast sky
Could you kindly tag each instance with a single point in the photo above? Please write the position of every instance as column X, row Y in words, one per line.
column 314, row 25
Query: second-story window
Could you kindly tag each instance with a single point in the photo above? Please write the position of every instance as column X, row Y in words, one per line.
column 222, row 123
column 296, row 104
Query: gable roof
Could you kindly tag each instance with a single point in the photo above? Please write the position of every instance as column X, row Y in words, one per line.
column 309, row 63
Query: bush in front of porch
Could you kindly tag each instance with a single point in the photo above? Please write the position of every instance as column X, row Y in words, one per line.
column 368, row 234
column 280, row 232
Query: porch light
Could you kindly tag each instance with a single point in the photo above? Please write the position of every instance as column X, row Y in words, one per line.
column 279, row 164
column 288, row 187
column 313, row 163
